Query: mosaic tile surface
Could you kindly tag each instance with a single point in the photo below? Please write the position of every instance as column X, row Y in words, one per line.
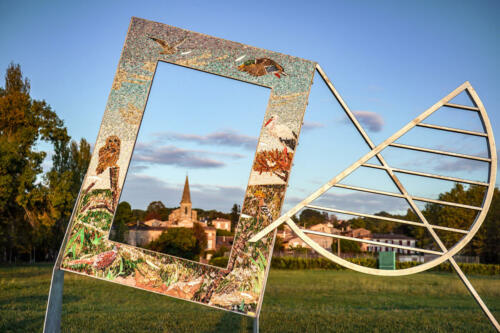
column 238, row 287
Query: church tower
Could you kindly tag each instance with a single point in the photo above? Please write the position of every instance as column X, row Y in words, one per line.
column 186, row 202
column 184, row 216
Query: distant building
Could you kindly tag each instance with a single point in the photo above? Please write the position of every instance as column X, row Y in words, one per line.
column 156, row 223
column 142, row 234
column 226, row 241
column 182, row 217
column 396, row 239
column 223, row 224
column 323, row 241
column 360, row 233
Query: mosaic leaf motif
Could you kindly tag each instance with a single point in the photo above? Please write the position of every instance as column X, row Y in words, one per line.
column 239, row 286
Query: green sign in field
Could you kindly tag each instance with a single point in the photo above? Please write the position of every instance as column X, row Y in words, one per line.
column 387, row 260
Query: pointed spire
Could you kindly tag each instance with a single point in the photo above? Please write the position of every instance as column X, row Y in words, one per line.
column 186, row 195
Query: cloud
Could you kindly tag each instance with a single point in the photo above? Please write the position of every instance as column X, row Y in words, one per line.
column 459, row 164
column 136, row 167
column 371, row 120
column 311, row 125
column 171, row 155
column 224, row 138
column 140, row 190
column 355, row 201
column 428, row 162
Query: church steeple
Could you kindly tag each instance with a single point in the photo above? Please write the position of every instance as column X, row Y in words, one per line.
column 186, row 195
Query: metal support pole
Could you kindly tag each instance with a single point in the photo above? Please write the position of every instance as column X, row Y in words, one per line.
column 474, row 294
column 52, row 322
column 256, row 325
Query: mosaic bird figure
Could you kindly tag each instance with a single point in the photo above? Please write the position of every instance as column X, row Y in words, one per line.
column 108, row 154
column 262, row 66
column 100, row 261
column 167, row 48
column 286, row 136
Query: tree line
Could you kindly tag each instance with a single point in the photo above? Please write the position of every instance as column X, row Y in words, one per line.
column 485, row 244
column 34, row 206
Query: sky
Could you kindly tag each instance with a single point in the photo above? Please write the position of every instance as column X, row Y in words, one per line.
column 390, row 61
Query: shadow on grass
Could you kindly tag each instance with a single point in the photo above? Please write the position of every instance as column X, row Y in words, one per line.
column 37, row 299
column 231, row 322
column 32, row 324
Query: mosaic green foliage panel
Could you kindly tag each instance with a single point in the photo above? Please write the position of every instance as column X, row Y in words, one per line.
column 239, row 286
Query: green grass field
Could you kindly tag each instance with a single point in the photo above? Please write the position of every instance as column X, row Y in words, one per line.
column 295, row 301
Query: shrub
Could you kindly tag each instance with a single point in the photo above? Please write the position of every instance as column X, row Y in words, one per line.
column 322, row 263
column 219, row 261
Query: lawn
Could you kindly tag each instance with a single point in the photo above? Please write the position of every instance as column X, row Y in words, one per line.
column 295, row 301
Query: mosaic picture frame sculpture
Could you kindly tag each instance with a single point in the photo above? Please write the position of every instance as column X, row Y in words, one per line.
column 239, row 287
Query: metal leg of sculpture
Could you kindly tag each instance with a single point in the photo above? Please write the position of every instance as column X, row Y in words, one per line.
column 474, row 294
column 256, row 325
column 52, row 322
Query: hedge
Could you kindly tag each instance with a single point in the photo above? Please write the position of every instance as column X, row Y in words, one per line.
column 322, row 263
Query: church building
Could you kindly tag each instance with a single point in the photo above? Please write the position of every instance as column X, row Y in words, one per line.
column 183, row 217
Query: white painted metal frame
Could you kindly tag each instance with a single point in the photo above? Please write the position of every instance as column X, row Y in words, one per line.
column 445, row 254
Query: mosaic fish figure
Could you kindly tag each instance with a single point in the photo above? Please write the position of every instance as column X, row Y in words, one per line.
column 262, row 66
column 167, row 48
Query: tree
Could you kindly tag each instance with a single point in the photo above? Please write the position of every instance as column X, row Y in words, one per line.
column 180, row 242
column 69, row 164
column 201, row 237
column 488, row 237
column 210, row 214
column 23, row 122
column 310, row 217
column 346, row 246
column 278, row 244
column 137, row 215
column 123, row 216
column 157, row 210
column 453, row 217
column 235, row 216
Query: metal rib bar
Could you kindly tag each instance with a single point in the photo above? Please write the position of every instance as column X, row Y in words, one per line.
column 415, row 249
column 460, row 106
column 441, row 152
column 451, row 129
column 391, row 219
column 447, row 203
column 375, row 151
column 430, row 175
column 369, row 190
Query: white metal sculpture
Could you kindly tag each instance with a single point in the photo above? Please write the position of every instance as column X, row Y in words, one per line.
column 444, row 253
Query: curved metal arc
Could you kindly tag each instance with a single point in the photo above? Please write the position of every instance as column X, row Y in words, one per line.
column 492, row 174
column 448, row 255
